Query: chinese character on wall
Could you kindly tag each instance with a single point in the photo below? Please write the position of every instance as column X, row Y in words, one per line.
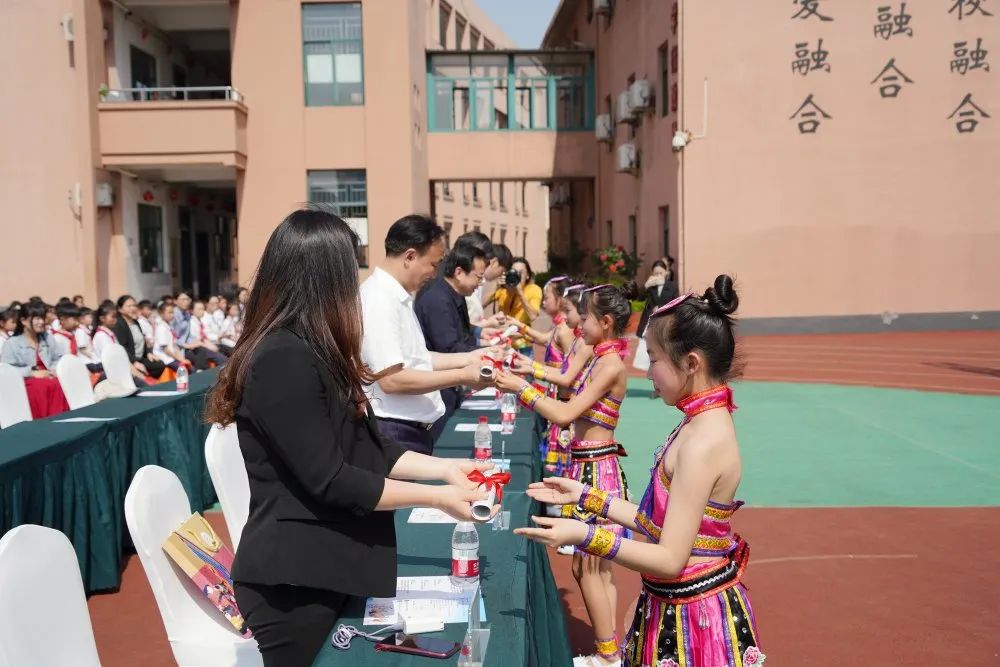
column 889, row 78
column 809, row 116
column 890, row 24
column 809, row 61
column 968, row 8
column 966, row 60
column 809, row 8
column 968, row 114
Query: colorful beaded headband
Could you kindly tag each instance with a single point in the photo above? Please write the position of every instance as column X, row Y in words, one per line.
column 597, row 287
column 666, row 308
column 573, row 288
column 557, row 279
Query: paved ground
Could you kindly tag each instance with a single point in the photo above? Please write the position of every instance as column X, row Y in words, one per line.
column 873, row 514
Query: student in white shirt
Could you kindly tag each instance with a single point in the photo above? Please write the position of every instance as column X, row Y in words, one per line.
column 210, row 326
column 104, row 335
column 8, row 324
column 407, row 403
column 165, row 347
column 229, row 333
column 145, row 325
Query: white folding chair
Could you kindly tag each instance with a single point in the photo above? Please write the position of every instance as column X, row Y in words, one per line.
column 116, row 366
column 199, row 634
column 43, row 609
column 14, row 406
column 74, row 378
column 229, row 476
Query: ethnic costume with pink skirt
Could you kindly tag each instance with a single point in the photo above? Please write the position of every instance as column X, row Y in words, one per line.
column 595, row 462
column 703, row 617
column 555, row 457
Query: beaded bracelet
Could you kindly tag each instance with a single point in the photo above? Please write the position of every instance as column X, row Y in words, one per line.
column 595, row 501
column 601, row 542
column 529, row 396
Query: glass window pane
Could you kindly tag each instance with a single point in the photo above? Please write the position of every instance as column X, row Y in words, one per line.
column 346, row 192
column 484, row 106
column 150, row 238
column 333, row 54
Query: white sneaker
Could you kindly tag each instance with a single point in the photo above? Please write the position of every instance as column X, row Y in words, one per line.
column 566, row 550
column 594, row 661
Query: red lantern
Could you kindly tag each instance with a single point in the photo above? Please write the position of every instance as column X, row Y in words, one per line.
column 147, row 195
column 173, row 195
column 673, row 18
column 673, row 60
column 673, row 97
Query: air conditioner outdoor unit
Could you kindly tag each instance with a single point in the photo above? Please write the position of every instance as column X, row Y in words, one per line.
column 641, row 95
column 602, row 6
column 624, row 107
column 603, row 127
column 105, row 195
column 628, row 158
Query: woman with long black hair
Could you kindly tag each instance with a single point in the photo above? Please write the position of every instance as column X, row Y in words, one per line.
column 323, row 480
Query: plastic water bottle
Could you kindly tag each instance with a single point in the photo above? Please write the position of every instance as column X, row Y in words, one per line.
column 483, row 441
column 182, row 378
column 508, row 413
column 465, row 554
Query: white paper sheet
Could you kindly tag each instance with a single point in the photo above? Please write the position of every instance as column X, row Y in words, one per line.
column 471, row 428
column 76, row 420
column 480, row 405
column 155, row 394
column 422, row 597
column 488, row 392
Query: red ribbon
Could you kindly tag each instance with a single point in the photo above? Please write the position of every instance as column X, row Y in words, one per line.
column 494, row 482
column 497, row 364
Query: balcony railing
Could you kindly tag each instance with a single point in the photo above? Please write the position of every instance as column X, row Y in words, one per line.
column 173, row 94
column 477, row 92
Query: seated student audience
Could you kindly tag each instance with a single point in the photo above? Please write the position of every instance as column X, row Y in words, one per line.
column 66, row 340
column 145, row 323
column 51, row 323
column 165, row 346
column 232, row 325
column 104, row 334
column 222, row 311
column 78, row 301
column 203, row 352
column 84, row 336
column 130, row 336
column 31, row 350
column 211, row 326
column 8, row 323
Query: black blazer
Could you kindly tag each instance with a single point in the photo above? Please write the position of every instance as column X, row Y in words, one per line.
column 656, row 297
column 316, row 473
column 125, row 339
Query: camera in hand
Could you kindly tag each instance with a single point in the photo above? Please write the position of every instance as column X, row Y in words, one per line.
column 512, row 278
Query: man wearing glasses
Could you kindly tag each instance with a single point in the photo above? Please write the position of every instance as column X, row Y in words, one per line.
column 444, row 315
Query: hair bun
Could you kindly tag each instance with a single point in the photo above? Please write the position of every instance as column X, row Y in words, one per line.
column 722, row 299
column 630, row 290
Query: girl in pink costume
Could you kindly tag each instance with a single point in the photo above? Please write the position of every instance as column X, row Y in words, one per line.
column 693, row 610
column 593, row 411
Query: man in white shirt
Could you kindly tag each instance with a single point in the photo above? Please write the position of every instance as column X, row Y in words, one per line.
column 408, row 403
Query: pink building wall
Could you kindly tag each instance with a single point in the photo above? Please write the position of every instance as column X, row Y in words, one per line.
column 886, row 208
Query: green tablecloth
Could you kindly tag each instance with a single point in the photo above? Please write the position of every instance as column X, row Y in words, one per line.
column 73, row 476
column 523, row 606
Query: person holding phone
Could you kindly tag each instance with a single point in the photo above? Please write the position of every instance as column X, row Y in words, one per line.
column 324, row 481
